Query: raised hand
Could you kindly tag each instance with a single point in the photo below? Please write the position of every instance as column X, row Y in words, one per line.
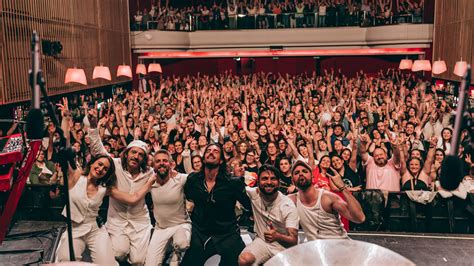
column 336, row 179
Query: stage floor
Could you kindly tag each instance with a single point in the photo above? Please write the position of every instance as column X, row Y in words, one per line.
column 422, row 249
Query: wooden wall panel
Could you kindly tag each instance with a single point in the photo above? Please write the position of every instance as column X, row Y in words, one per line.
column 90, row 31
column 453, row 34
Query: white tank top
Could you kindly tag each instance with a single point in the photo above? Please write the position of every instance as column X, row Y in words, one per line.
column 317, row 223
column 83, row 208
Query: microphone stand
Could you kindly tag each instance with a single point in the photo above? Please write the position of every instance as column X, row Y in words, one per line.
column 460, row 112
column 66, row 155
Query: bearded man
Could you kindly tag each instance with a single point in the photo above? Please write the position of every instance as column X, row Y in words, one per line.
column 128, row 219
column 173, row 225
column 276, row 219
column 319, row 210
column 214, row 193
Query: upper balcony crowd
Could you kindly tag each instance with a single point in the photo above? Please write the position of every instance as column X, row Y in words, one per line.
column 273, row 14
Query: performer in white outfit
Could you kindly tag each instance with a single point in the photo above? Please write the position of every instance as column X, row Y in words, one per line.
column 172, row 221
column 276, row 219
column 319, row 209
column 129, row 226
column 86, row 192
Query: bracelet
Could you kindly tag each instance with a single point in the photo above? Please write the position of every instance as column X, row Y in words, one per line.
column 343, row 188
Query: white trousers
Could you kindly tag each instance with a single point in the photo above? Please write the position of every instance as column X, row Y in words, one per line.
column 180, row 236
column 128, row 241
column 98, row 242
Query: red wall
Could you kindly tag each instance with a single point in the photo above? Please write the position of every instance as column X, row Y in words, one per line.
column 291, row 65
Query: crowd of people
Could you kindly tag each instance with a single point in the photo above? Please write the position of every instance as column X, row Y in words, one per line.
column 301, row 143
column 260, row 14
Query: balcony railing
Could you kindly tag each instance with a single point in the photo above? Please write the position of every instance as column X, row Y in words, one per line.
column 196, row 22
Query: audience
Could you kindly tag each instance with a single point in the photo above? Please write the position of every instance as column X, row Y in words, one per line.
column 261, row 14
column 377, row 132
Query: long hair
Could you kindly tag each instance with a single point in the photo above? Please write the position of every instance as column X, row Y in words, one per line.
column 124, row 159
column 109, row 179
column 223, row 166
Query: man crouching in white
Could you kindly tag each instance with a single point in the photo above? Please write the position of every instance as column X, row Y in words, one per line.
column 276, row 219
column 172, row 220
column 319, row 209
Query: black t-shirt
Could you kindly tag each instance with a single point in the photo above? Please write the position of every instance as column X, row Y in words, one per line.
column 350, row 177
column 213, row 212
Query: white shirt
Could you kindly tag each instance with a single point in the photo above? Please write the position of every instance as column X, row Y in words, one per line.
column 120, row 215
column 168, row 202
column 281, row 213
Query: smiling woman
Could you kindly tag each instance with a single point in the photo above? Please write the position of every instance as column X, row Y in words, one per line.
column 86, row 192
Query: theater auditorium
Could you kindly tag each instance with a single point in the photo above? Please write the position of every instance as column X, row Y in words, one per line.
column 236, row 132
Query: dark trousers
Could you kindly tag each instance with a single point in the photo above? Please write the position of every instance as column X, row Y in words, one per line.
column 228, row 246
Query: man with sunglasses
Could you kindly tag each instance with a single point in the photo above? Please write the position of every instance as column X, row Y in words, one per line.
column 214, row 193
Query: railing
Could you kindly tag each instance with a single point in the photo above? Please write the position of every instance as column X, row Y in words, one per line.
column 395, row 212
column 285, row 20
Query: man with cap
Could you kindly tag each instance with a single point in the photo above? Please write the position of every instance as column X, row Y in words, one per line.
column 128, row 225
column 276, row 219
column 319, row 210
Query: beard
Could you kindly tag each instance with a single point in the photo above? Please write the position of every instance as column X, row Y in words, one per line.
column 162, row 174
column 381, row 162
column 264, row 191
column 210, row 165
column 303, row 183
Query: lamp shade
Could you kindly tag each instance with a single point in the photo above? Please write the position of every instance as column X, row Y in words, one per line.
column 76, row 75
column 124, row 70
column 460, row 68
column 405, row 64
column 154, row 67
column 439, row 67
column 141, row 69
column 421, row 65
column 101, row 72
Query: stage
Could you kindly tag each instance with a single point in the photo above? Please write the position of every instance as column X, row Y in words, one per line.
column 422, row 249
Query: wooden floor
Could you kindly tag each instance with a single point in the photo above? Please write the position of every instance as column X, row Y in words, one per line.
column 33, row 241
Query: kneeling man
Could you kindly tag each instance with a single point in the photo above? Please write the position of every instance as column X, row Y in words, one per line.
column 276, row 219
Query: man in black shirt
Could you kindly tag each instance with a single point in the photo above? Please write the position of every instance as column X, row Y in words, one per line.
column 214, row 224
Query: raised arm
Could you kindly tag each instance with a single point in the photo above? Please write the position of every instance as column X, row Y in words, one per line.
column 96, row 145
column 430, row 156
column 364, row 140
column 350, row 208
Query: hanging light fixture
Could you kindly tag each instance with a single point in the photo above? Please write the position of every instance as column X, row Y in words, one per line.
column 141, row 69
column 124, row 70
column 76, row 75
column 439, row 67
column 460, row 68
column 154, row 67
column 421, row 65
column 405, row 64
column 102, row 72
